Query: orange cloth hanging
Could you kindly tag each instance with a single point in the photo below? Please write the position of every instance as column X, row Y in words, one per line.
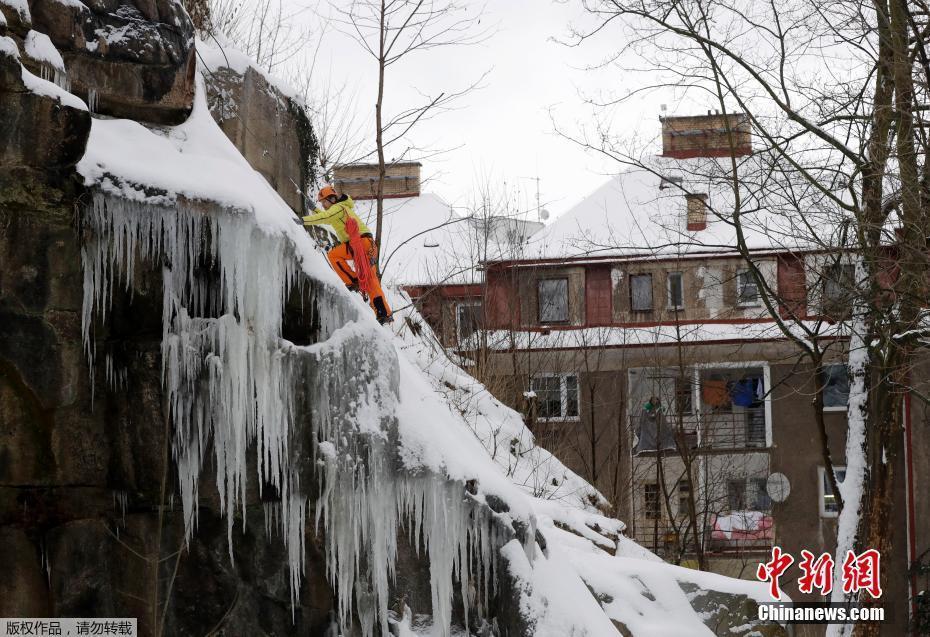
column 714, row 393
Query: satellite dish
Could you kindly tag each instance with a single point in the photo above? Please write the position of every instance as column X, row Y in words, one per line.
column 543, row 214
column 778, row 487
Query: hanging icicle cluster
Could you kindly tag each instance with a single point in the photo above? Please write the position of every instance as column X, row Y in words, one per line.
column 232, row 383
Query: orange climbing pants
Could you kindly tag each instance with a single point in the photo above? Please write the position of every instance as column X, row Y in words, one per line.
column 339, row 258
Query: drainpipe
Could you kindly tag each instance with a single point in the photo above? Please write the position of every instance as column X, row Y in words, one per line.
column 911, row 516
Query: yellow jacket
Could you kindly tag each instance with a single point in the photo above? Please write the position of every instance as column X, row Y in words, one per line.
column 336, row 218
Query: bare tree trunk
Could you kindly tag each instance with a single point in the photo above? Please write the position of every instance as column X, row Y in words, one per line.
column 379, row 133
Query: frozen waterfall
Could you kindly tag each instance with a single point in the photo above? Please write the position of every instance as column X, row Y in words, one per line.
column 324, row 412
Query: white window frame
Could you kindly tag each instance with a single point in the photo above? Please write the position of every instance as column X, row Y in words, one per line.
column 837, row 408
column 766, row 380
column 563, row 395
column 821, row 492
column 747, row 273
column 458, row 318
column 668, row 290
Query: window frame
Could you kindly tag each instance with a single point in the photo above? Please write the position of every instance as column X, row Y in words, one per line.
column 746, row 274
column 652, row 300
column 683, row 496
column 743, row 485
column 563, row 396
column 668, row 290
column 458, row 317
column 539, row 306
column 700, row 369
column 845, row 284
column 647, row 511
column 822, row 491
column 838, row 408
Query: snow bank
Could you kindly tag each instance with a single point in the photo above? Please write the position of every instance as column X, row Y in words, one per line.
column 219, row 52
column 40, row 48
column 38, row 85
column 21, row 7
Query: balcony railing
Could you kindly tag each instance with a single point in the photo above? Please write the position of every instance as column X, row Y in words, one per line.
column 726, row 533
column 707, row 431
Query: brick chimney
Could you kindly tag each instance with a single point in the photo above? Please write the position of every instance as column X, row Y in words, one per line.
column 706, row 135
column 696, row 212
column 360, row 181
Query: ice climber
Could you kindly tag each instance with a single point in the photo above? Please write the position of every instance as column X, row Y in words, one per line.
column 339, row 213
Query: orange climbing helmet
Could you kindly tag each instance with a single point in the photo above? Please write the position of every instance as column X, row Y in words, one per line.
column 326, row 191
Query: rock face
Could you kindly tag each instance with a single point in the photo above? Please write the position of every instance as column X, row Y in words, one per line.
column 41, row 137
column 88, row 525
column 126, row 59
column 87, row 522
column 269, row 129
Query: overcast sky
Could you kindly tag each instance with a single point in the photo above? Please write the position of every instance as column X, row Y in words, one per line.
column 505, row 130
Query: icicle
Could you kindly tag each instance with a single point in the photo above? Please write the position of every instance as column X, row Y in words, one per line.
column 228, row 379
column 92, row 100
column 368, row 495
column 232, row 383
column 120, row 501
column 61, row 79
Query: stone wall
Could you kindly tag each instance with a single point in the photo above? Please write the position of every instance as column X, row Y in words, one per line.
column 271, row 130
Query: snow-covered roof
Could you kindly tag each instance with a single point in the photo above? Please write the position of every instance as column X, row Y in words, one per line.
column 643, row 211
column 691, row 333
column 426, row 242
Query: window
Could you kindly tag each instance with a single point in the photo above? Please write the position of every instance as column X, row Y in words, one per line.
column 748, row 494
column 759, row 495
column 553, row 300
column 684, row 495
column 838, row 285
column 736, row 494
column 651, row 500
column 467, row 319
column 835, row 387
column 676, row 294
column 747, row 292
column 828, row 505
column 684, row 395
column 556, row 396
column 641, row 293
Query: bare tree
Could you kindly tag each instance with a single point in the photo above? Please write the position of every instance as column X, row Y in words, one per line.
column 834, row 94
column 271, row 32
column 391, row 31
